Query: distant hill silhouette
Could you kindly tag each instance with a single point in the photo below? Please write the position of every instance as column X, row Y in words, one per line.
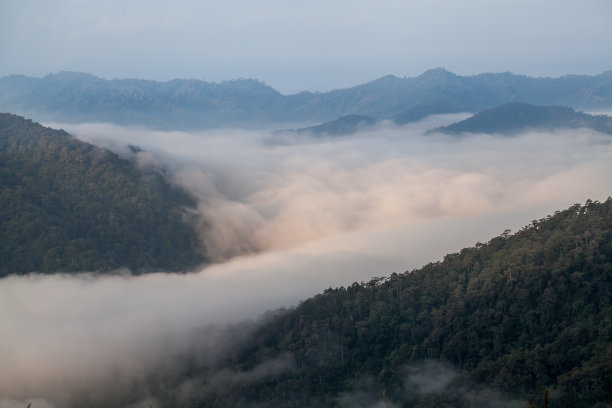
column 190, row 103
column 342, row 126
column 516, row 116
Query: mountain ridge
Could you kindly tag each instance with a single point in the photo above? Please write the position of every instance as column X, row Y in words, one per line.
column 192, row 103
column 343, row 126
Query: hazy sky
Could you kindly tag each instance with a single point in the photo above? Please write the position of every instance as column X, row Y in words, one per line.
column 297, row 45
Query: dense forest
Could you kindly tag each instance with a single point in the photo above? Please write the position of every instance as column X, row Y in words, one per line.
column 69, row 206
column 493, row 325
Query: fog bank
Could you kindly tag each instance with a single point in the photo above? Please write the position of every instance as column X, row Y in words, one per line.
column 284, row 221
column 255, row 195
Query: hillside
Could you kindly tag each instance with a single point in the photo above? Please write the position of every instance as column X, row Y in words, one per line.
column 488, row 326
column 516, row 117
column 190, row 103
column 67, row 206
column 342, row 126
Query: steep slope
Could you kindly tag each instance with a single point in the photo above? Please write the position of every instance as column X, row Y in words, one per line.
column 519, row 314
column 516, row 117
column 68, row 206
column 190, row 103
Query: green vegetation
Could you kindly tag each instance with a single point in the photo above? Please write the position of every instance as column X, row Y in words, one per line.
column 68, row 206
column 519, row 314
column 516, row 116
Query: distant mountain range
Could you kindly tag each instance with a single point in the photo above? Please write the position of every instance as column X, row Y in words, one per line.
column 516, row 117
column 190, row 103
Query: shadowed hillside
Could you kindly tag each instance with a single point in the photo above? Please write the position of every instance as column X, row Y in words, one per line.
column 68, row 206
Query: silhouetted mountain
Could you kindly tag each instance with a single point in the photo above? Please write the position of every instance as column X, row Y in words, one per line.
column 519, row 314
column 76, row 97
column 344, row 125
column 69, row 206
column 516, row 117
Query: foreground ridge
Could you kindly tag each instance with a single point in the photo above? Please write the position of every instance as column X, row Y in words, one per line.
column 518, row 314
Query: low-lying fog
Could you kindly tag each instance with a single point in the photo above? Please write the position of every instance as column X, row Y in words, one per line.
column 286, row 217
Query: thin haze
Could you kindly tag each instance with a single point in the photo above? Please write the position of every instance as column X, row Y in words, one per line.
column 312, row 213
column 303, row 45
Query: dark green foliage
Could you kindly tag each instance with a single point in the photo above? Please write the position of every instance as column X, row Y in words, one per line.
column 516, row 116
column 68, row 206
column 519, row 314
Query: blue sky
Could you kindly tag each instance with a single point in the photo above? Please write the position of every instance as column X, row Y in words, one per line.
column 299, row 45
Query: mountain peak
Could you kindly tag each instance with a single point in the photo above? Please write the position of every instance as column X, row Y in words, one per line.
column 384, row 80
column 70, row 76
column 437, row 73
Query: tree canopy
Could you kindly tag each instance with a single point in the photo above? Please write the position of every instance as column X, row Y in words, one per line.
column 68, row 206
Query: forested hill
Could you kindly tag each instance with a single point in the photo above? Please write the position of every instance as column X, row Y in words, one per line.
column 69, row 206
column 517, row 116
column 190, row 103
column 496, row 322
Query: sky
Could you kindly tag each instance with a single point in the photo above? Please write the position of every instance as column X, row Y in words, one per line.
column 295, row 45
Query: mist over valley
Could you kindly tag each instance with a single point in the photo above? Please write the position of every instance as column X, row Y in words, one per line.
column 279, row 221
